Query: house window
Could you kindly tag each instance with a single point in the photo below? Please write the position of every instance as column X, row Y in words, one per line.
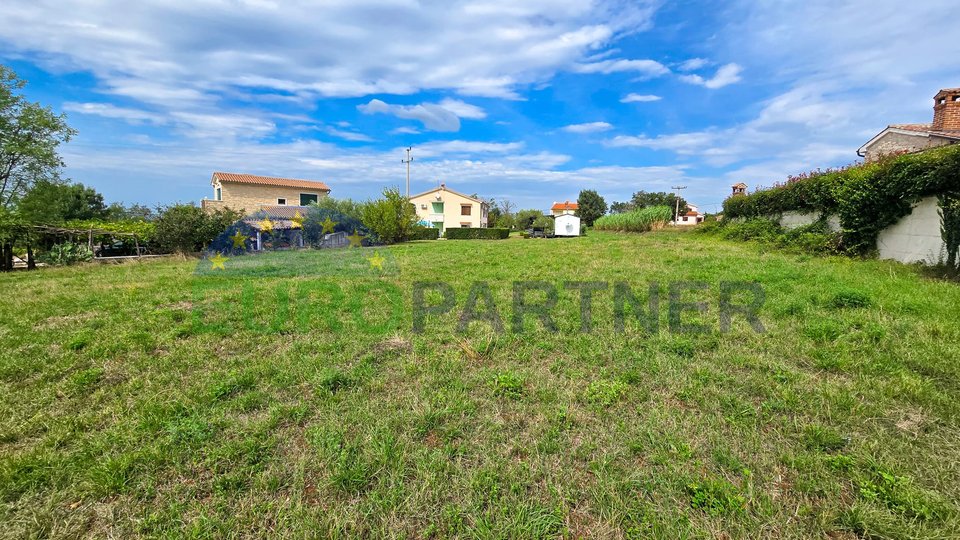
column 685, row 218
column 464, row 225
column 465, row 209
column 307, row 198
column 219, row 194
column 281, row 202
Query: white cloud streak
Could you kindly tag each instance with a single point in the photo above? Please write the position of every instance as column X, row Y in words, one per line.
column 590, row 127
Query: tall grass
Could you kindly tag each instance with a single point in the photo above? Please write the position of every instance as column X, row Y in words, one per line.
column 643, row 220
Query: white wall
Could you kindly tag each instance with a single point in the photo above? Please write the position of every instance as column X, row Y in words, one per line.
column 566, row 225
column 916, row 237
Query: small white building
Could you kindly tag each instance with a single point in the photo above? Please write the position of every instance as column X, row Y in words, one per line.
column 566, row 225
column 691, row 217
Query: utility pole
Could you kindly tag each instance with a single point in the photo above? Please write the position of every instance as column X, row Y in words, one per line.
column 407, row 161
column 676, row 213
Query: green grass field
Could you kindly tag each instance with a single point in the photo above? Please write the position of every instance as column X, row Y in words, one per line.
column 294, row 400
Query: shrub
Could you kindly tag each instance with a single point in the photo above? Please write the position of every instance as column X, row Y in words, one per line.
column 472, row 233
column 424, row 233
column 763, row 230
column 390, row 219
column 867, row 197
column 186, row 228
column 68, row 253
column 643, row 220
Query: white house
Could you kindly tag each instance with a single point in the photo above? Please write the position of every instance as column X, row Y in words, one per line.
column 443, row 208
column 562, row 208
column 566, row 225
column 691, row 217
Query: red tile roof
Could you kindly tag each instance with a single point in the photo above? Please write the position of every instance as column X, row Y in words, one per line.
column 925, row 128
column 269, row 181
column 565, row 206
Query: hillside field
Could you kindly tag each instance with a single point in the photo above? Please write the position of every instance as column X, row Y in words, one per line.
column 288, row 395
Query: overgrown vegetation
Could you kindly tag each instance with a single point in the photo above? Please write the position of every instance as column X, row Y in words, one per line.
column 643, row 220
column 815, row 238
column 867, row 198
column 127, row 413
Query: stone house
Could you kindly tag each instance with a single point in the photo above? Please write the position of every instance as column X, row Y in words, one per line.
column 248, row 193
column 443, row 208
column 900, row 138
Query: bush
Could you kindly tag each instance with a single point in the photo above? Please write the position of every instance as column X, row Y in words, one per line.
column 185, row 228
column 471, row 233
column 424, row 233
column 868, row 197
column 814, row 238
column 68, row 253
column 643, row 220
column 390, row 219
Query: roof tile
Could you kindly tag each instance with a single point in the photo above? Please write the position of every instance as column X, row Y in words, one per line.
column 269, row 181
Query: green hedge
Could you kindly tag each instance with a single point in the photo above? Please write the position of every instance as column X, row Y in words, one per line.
column 424, row 233
column 868, row 198
column 469, row 233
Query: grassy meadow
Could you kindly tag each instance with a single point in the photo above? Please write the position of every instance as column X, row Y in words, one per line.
column 287, row 396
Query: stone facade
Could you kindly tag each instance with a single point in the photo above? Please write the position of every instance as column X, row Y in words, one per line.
column 248, row 198
column 893, row 142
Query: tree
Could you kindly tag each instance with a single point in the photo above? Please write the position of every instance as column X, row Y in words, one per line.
column 185, row 228
column 591, row 206
column 644, row 199
column 57, row 202
column 135, row 212
column 620, row 207
column 392, row 218
column 525, row 218
column 29, row 137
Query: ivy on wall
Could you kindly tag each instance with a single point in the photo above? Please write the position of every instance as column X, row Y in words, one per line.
column 867, row 197
column 950, row 227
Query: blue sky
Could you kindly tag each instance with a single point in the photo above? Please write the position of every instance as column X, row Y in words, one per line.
column 531, row 100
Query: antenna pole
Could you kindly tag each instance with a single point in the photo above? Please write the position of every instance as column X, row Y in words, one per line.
column 676, row 213
column 407, row 161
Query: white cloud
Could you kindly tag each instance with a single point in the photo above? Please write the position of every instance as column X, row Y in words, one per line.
column 347, row 135
column 463, row 110
column 681, row 143
column 431, row 115
column 405, row 130
column 591, row 127
column 179, row 50
column 693, row 64
column 726, row 75
column 648, row 68
column 107, row 110
column 639, row 98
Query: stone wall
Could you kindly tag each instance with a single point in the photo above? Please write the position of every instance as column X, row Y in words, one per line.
column 248, row 198
column 899, row 142
column 916, row 237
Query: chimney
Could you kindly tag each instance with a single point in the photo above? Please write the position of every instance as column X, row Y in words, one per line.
column 946, row 110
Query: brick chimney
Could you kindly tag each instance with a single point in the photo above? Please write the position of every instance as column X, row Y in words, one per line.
column 946, row 110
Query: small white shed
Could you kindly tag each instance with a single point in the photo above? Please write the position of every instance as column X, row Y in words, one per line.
column 566, row 225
